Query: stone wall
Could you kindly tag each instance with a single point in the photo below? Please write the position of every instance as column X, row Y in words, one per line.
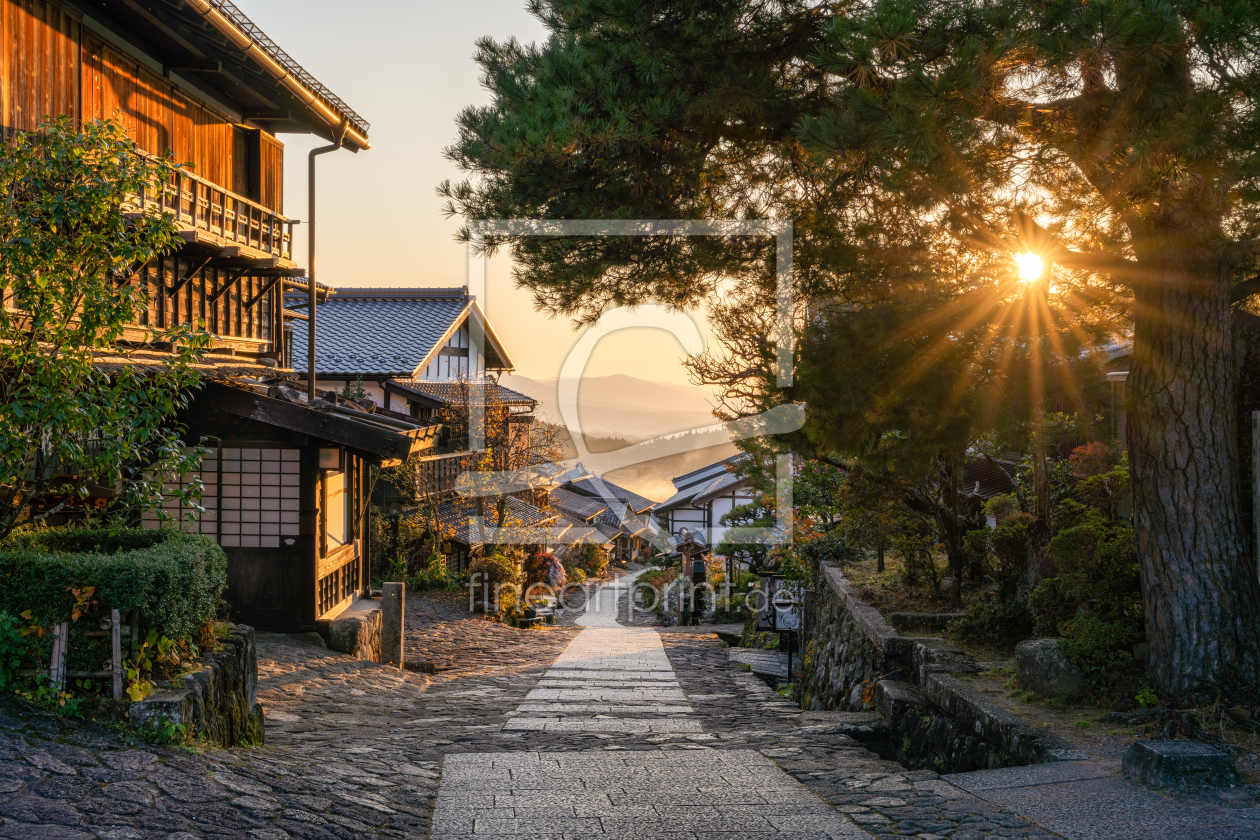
column 855, row 660
column 217, row 701
column 357, row 630
column 843, row 653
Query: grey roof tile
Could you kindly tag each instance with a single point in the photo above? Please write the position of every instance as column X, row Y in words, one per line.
column 458, row 393
column 383, row 334
column 601, row 488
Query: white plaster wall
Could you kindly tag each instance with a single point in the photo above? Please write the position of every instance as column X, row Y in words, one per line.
column 455, row 367
column 720, row 507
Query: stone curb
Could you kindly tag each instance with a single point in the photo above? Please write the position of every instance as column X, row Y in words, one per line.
column 914, row 682
column 218, row 701
column 1024, row 743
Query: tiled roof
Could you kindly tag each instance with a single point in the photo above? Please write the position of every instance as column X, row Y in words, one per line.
column 520, row 520
column 729, row 481
column 702, row 482
column 602, row 488
column 380, row 335
column 580, row 507
column 458, row 393
column 578, row 532
column 987, row 479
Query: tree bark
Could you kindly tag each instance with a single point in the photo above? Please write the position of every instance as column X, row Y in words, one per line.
column 1200, row 590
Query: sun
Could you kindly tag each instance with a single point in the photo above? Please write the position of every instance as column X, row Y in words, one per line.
column 1029, row 266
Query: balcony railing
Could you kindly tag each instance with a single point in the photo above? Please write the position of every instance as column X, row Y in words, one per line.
column 203, row 205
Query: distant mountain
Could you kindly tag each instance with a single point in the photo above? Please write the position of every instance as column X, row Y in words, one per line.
column 633, row 409
column 624, row 406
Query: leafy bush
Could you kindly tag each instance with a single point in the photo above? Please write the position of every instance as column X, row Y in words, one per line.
column 1105, row 492
column 12, row 649
column 993, row 622
column 175, row 580
column 575, row 574
column 1067, row 514
column 1008, row 545
column 1098, row 645
column 496, row 569
column 545, row 568
column 1002, row 508
column 595, row 560
column 1095, row 599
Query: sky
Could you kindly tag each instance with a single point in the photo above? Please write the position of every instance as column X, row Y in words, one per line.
column 407, row 68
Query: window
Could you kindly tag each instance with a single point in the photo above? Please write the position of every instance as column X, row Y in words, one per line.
column 250, row 497
column 337, row 497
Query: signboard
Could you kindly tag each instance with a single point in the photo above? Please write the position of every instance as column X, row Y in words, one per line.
column 778, row 604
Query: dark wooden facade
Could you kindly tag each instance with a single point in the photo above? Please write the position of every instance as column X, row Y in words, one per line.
column 196, row 83
column 236, row 260
column 284, row 570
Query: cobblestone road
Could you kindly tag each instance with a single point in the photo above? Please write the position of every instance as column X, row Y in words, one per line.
column 356, row 749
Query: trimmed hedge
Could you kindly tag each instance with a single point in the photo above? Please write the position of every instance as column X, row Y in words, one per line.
column 175, row 580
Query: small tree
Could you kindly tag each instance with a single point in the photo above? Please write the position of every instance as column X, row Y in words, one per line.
column 67, row 253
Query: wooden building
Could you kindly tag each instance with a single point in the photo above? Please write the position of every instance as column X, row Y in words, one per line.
column 429, row 354
column 197, row 83
column 703, row 496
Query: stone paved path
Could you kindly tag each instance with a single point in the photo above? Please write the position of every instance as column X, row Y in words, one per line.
column 618, row 679
column 360, row 750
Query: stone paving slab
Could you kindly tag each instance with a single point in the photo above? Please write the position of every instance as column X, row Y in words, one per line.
column 357, row 750
column 682, row 793
column 1035, row 774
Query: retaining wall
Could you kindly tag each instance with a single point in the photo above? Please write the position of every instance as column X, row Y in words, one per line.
column 855, row 660
column 218, row 701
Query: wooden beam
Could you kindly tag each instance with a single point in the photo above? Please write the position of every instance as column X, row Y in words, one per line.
column 267, row 114
column 207, row 65
column 266, row 288
column 135, row 269
column 296, row 316
column 372, row 440
column 173, row 289
column 229, row 284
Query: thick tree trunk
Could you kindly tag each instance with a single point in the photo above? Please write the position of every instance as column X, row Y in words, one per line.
column 1200, row 589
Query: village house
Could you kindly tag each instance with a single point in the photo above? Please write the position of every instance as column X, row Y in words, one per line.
column 429, row 354
column 285, row 482
column 702, row 497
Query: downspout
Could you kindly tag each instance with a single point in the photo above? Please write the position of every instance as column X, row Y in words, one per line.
column 310, row 260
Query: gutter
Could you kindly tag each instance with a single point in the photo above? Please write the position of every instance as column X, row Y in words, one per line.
column 247, row 45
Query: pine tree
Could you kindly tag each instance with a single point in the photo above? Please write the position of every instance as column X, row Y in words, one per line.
column 919, row 147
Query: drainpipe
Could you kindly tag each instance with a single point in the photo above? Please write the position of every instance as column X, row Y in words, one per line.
column 310, row 261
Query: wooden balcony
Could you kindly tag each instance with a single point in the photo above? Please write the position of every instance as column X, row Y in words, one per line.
column 209, row 214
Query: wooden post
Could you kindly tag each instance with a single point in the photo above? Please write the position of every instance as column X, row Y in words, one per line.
column 115, row 662
column 393, row 599
column 57, row 667
column 1255, row 484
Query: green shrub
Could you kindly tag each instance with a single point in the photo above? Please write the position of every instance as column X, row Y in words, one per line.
column 12, row 649
column 175, row 580
column 575, row 574
column 1002, row 508
column 1008, row 544
column 1099, row 645
column 496, row 569
column 1051, row 603
column 1068, row 513
column 594, row 560
column 1095, row 599
column 993, row 622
